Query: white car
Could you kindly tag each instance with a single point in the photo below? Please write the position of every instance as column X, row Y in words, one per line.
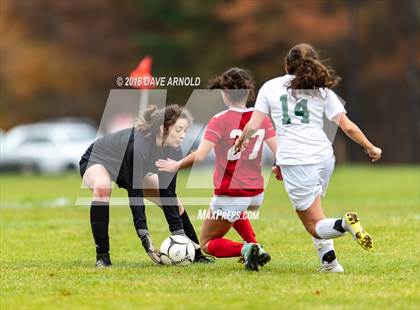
column 51, row 146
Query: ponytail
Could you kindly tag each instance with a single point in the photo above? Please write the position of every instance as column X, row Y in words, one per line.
column 238, row 83
column 310, row 73
column 145, row 121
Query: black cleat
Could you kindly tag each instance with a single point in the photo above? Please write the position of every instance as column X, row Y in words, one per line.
column 251, row 256
column 204, row 259
column 263, row 256
column 103, row 260
column 263, row 259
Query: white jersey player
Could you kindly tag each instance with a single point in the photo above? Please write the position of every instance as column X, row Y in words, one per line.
column 298, row 103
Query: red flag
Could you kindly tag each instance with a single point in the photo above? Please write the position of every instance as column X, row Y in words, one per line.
column 143, row 72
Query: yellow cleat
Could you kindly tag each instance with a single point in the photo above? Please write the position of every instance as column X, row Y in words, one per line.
column 359, row 234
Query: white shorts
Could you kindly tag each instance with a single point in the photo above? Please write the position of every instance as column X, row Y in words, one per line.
column 303, row 183
column 230, row 207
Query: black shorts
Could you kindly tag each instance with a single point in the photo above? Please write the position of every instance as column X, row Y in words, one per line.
column 85, row 163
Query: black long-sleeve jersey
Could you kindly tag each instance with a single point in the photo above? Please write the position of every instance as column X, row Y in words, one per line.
column 129, row 155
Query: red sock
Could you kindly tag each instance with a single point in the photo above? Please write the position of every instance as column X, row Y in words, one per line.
column 244, row 228
column 224, row 248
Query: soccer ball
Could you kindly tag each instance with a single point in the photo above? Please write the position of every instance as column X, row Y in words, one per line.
column 177, row 250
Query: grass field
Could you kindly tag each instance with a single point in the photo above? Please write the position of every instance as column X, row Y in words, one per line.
column 47, row 253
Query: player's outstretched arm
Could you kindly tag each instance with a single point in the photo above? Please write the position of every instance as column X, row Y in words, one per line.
column 272, row 144
column 170, row 165
column 250, row 128
column 354, row 133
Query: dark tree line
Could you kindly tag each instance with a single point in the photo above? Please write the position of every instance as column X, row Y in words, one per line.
column 60, row 58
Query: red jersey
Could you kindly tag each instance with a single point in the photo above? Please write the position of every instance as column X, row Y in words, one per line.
column 237, row 174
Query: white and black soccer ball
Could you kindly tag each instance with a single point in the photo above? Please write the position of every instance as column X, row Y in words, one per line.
column 177, row 250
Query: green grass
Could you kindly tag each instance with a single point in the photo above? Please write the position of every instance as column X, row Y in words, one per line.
column 47, row 253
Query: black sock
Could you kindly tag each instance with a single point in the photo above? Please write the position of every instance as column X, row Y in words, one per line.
column 173, row 219
column 99, row 219
column 189, row 230
column 138, row 210
column 170, row 209
column 338, row 225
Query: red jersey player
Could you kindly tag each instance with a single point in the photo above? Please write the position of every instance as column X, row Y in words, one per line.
column 237, row 174
column 237, row 179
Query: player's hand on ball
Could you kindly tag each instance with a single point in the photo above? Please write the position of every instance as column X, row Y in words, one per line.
column 168, row 165
column 147, row 243
column 374, row 153
column 154, row 255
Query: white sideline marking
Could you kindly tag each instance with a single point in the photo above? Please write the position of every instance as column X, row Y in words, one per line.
column 123, row 201
column 62, row 202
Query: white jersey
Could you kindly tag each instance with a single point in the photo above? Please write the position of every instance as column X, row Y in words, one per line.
column 299, row 122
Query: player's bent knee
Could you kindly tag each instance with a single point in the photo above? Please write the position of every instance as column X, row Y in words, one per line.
column 101, row 193
column 203, row 241
column 204, row 247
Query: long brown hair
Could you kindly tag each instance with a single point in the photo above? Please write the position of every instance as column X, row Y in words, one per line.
column 236, row 79
column 310, row 72
column 149, row 123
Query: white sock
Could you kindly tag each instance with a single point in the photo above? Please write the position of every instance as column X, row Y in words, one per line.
column 329, row 228
column 324, row 246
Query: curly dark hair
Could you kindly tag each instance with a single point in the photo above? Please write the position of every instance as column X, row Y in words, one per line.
column 310, row 73
column 150, row 121
column 235, row 79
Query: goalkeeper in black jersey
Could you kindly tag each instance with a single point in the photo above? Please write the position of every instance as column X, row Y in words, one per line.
column 128, row 158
